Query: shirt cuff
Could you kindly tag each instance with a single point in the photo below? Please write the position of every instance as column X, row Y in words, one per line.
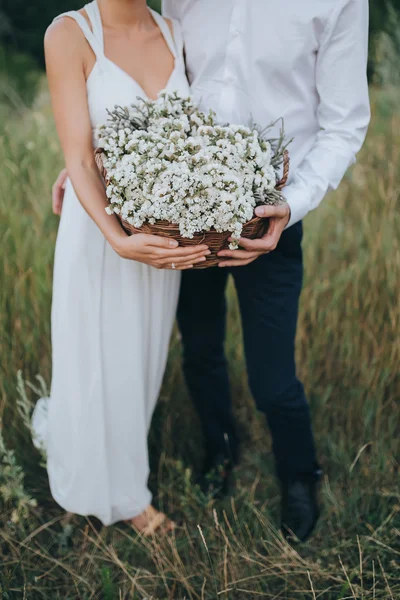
column 297, row 198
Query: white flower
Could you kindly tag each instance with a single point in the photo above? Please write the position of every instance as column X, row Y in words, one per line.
column 184, row 168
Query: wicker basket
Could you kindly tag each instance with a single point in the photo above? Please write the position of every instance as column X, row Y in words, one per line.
column 214, row 240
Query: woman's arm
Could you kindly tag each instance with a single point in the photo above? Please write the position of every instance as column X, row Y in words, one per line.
column 67, row 54
column 58, row 192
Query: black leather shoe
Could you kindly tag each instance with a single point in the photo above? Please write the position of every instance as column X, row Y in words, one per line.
column 300, row 510
column 216, row 476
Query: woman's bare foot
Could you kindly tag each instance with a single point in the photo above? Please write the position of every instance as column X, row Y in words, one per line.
column 152, row 522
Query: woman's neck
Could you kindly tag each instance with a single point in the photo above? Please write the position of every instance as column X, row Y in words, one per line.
column 117, row 13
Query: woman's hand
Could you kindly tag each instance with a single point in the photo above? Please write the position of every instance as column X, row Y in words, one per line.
column 58, row 192
column 160, row 252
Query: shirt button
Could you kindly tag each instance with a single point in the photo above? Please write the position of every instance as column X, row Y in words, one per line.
column 235, row 32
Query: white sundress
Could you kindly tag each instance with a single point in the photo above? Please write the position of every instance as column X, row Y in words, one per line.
column 111, row 325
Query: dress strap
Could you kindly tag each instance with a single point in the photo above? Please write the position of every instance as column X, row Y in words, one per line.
column 90, row 36
column 166, row 31
column 178, row 37
column 93, row 12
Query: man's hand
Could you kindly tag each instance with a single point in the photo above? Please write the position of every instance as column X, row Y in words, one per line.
column 58, row 192
column 251, row 249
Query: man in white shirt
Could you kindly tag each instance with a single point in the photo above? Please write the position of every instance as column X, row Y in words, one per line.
column 262, row 60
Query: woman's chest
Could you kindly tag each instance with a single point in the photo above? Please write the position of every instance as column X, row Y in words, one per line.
column 147, row 59
column 108, row 87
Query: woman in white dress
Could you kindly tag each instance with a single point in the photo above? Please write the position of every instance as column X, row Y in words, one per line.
column 114, row 296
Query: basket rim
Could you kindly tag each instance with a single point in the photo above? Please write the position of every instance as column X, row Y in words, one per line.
column 163, row 223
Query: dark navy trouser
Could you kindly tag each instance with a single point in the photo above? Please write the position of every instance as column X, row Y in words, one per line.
column 268, row 291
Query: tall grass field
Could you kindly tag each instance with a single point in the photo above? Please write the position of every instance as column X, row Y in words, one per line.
column 348, row 352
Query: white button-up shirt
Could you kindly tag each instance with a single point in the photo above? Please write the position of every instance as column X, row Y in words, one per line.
column 303, row 60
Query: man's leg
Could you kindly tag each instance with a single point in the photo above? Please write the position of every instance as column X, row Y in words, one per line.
column 202, row 321
column 269, row 291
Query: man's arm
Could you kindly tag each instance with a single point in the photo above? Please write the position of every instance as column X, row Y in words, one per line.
column 343, row 112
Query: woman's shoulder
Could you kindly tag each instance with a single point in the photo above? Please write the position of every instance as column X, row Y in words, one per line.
column 65, row 32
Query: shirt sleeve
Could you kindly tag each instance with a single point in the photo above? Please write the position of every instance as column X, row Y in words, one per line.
column 343, row 111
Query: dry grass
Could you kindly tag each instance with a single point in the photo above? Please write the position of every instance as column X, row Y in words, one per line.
column 349, row 356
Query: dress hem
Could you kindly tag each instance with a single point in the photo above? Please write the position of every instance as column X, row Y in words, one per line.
column 105, row 522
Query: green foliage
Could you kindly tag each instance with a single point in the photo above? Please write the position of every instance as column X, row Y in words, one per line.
column 23, row 24
column 13, row 496
column 155, row 4
column 27, row 22
column 348, row 350
column 19, row 79
column 382, row 13
column 387, row 52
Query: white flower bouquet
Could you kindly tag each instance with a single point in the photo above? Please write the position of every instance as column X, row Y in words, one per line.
column 172, row 170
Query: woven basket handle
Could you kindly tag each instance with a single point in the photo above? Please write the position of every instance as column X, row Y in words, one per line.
column 286, row 164
column 98, row 157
